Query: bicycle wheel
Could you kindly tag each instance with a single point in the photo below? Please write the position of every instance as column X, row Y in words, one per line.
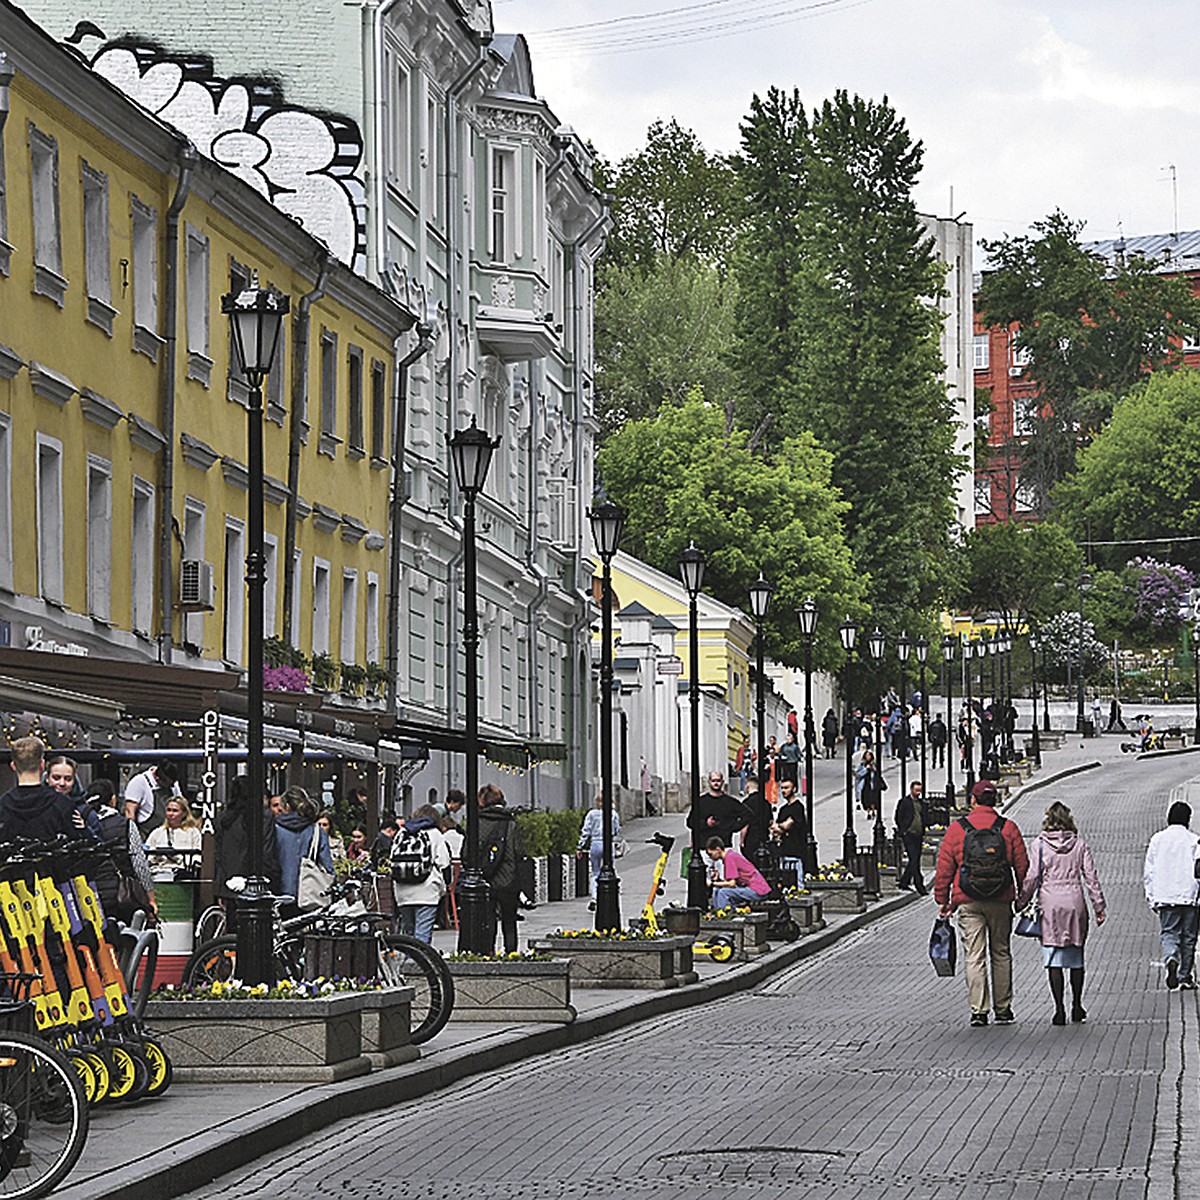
column 211, row 924
column 87, row 1067
column 406, row 962
column 216, row 962
column 122, row 1070
column 43, row 1116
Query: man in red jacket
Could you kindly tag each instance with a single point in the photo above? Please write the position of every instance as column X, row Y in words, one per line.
column 982, row 895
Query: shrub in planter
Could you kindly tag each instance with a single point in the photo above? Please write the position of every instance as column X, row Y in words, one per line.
column 535, row 832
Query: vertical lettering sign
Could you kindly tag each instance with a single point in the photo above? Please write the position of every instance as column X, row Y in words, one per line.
column 211, row 723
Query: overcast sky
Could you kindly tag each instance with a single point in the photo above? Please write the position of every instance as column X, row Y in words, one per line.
column 1022, row 105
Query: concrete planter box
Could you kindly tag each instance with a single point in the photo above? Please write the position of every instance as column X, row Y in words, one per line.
column 748, row 932
column 845, row 896
column 655, row 963
column 512, row 991
column 807, row 912
column 387, row 1026
column 257, row 1041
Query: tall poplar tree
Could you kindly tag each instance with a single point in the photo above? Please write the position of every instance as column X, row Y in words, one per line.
column 839, row 328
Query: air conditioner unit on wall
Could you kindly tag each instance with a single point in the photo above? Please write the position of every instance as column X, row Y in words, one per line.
column 196, row 590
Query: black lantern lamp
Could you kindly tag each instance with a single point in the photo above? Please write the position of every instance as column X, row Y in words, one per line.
column 921, row 650
column 808, row 615
column 760, row 601
column 255, row 318
column 471, row 452
column 691, row 571
column 848, row 632
column 876, row 645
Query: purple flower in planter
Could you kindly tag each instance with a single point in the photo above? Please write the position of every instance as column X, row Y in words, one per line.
column 285, row 679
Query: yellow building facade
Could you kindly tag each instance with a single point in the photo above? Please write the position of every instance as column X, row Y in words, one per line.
column 123, row 430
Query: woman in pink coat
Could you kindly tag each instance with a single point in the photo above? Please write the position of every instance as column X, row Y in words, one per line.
column 1060, row 867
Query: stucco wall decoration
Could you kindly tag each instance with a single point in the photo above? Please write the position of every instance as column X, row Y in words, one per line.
column 303, row 161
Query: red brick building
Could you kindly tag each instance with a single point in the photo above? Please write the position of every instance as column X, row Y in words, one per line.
column 1000, row 370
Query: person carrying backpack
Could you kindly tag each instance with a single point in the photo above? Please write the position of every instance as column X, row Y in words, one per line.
column 501, row 848
column 418, row 859
column 975, row 879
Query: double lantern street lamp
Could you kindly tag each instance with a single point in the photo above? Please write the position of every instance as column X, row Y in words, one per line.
column 921, row 649
column 255, row 319
column 876, row 645
column 807, row 615
column 848, row 632
column 691, row 571
column 760, row 601
column 471, row 452
column 968, row 648
column 948, row 644
column 903, row 729
column 607, row 521
column 1033, row 663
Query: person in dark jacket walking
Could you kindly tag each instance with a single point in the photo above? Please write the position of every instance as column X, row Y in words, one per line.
column 126, row 860
column 938, row 736
column 33, row 809
column 293, row 837
column 829, row 733
column 501, row 849
column 910, row 828
column 233, row 846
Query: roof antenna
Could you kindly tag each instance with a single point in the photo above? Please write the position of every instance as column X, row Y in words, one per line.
column 1119, row 244
column 1174, row 201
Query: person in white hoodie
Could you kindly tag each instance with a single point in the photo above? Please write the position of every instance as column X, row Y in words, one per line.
column 1173, row 891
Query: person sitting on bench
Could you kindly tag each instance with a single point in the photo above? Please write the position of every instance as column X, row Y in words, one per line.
column 738, row 880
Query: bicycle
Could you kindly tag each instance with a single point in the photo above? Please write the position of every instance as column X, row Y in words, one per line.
column 43, row 1109
column 395, row 961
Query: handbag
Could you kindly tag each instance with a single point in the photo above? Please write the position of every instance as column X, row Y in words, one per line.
column 1029, row 920
column 621, row 848
column 943, row 947
column 312, row 891
column 132, row 898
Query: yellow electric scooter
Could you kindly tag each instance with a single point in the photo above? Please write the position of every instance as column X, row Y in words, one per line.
column 717, row 946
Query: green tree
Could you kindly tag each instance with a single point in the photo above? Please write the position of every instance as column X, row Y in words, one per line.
column 660, row 330
column 1139, row 480
column 1018, row 571
column 672, row 199
column 1089, row 329
column 684, row 475
column 839, row 329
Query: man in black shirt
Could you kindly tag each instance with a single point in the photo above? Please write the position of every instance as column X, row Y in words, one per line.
column 791, row 828
column 32, row 809
column 717, row 814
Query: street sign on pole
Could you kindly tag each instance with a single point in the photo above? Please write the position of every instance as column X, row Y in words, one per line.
column 671, row 664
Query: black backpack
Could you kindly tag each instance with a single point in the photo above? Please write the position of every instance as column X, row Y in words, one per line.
column 985, row 872
column 411, row 857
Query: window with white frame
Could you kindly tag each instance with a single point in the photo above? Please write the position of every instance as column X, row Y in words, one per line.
column 1024, row 497
column 540, row 213
column 431, row 158
column 6, row 557
column 1024, row 411
column 141, row 558
column 49, row 518
column 503, row 204
column 558, row 287
column 1020, row 357
column 271, row 584
column 99, row 537
column 145, row 279
column 5, row 248
column 372, row 630
column 47, row 227
column 398, row 85
column 239, row 389
column 234, row 606
column 328, row 441
column 354, row 402
column 349, row 616
column 198, row 306
column 418, row 643
column 320, row 607
column 276, row 408
column 983, row 493
column 982, row 351
column 194, row 547
column 97, row 257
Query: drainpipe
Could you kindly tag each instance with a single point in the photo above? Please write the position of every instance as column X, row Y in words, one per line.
column 187, row 156
column 298, row 422
column 426, row 335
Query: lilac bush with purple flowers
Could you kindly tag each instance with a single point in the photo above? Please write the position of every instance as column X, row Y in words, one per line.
column 1161, row 593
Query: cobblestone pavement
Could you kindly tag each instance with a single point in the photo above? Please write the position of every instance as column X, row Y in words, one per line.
column 853, row 1074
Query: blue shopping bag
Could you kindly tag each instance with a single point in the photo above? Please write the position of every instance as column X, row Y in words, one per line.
column 943, row 947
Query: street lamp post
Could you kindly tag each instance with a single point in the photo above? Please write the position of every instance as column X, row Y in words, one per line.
column 877, row 644
column 848, row 632
column 903, row 649
column 471, row 452
column 760, row 601
column 691, row 570
column 607, row 520
column 1084, row 580
column 255, row 318
column 948, row 644
column 1033, row 666
column 921, row 647
column 1196, row 681
column 808, row 615
column 969, row 743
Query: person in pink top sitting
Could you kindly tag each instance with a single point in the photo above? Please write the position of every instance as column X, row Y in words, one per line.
column 738, row 880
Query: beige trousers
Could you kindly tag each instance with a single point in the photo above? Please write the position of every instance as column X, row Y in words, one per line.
column 986, row 930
